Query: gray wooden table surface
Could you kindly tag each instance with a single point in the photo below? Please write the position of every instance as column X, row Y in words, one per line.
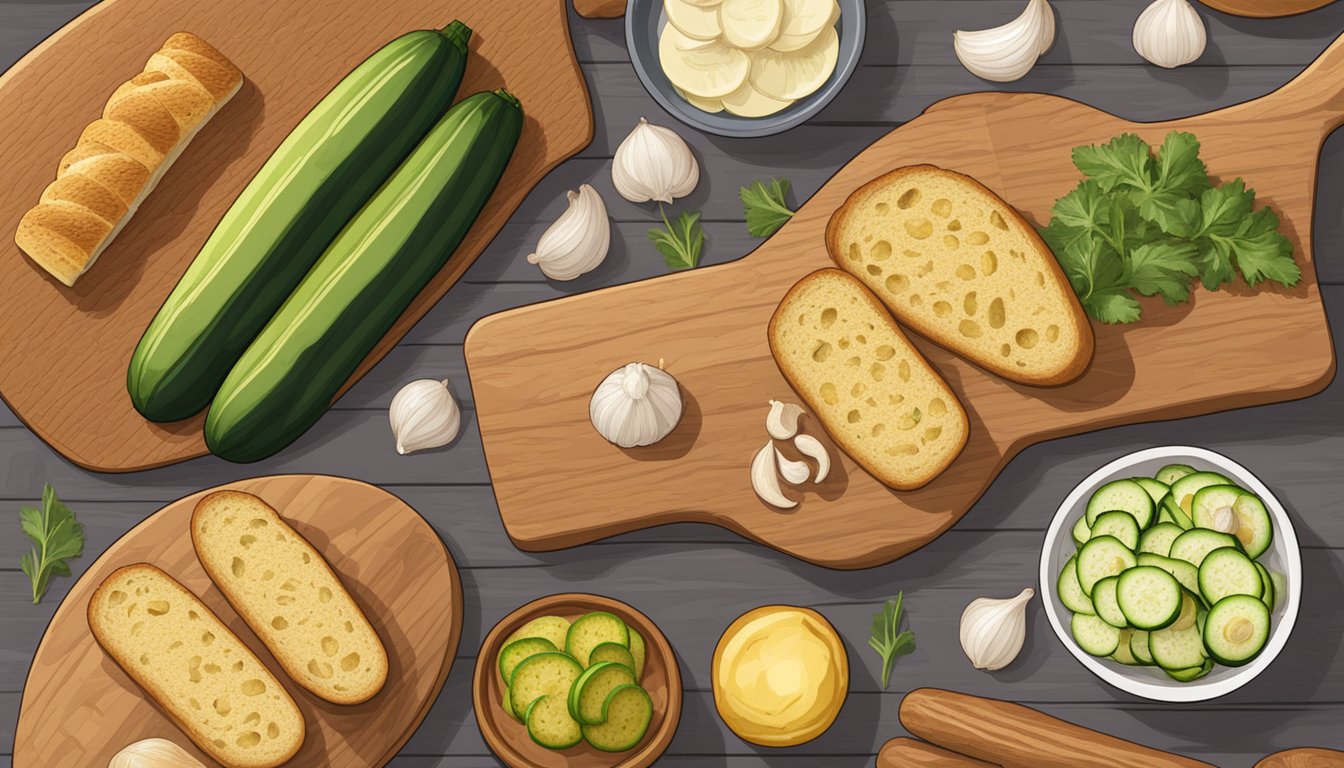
column 693, row 580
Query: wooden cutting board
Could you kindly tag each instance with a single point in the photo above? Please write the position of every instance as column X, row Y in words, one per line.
column 1265, row 9
column 533, row 369
column 65, row 350
column 79, row 708
column 1307, row 757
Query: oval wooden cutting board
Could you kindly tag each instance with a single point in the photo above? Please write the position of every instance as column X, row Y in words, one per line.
column 1266, row 9
column 66, row 349
column 533, row 369
column 79, row 708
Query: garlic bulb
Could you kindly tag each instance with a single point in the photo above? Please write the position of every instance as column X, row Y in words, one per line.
column 653, row 163
column 782, row 421
column 1170, row 33
column 812, row 448
column 765, row 478
column 1008, row 52
column 154, row 753
column 424, row 415
column 993, row 630
column 794, row 472
column 578, row 241
column 636, row 405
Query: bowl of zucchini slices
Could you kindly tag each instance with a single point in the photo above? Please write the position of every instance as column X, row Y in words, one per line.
column 1173, row 574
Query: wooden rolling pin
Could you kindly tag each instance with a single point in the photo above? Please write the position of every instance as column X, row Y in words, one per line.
column 912, row 753
column 1015, row 736
column 600, row 9
column 1303, row 758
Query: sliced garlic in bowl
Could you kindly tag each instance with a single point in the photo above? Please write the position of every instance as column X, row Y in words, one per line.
column 749, row 102
column 804, row 21
column 790, row 76
column 694, row 19
column 750, row 24
column 710, row 71
column 710, row 106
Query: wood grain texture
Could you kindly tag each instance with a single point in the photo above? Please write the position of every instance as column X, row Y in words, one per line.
column 508, row 738
column 600, row 9
column 80, row 708
column 913, row 753
column 533, row 369
column 66, row 349
column 1303, row 758
column 1263, row 9
column 1015, row 736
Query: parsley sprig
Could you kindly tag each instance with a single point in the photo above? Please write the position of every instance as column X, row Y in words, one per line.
column 1150, row 225
column 886, row 637
column 680, row 242
column 56, row 538
column 764, row 206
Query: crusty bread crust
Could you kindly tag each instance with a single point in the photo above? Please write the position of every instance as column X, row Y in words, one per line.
column 1080, row 329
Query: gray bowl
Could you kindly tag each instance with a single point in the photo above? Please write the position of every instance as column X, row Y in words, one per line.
column 644, row 20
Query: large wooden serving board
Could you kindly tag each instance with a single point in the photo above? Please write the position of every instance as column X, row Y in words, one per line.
column 79, row 708
column 65, row 350
column 533, row 369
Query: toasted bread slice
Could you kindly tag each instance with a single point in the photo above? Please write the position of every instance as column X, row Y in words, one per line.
column 962, row 267
column 875, row 394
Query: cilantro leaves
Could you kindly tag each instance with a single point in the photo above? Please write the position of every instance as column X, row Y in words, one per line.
column 764, row 206
column 1151, row 224
column 56, row 537
column 680, row 240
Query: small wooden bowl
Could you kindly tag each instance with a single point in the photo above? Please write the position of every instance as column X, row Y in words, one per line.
column 508, row 738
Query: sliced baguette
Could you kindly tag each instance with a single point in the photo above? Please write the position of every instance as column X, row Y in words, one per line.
column 289, row 595
column 874, row 393
column 198, row 671
column 962, row 267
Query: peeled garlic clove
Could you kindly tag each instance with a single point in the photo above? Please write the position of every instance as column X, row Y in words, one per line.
column 578, row 241
column 782, row 421
column 1225, row 520
column 765, row 479
column 812, row 448
column 424, row 415
column 153, row 753
column 1008, row 52
column 793, row 472
column 654, row 163
column 1170, row 33
column 993, row 630
column 636, row 405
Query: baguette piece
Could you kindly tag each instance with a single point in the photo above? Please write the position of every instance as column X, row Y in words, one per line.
column 962, row 267
column 198, row 671
column 119, row 158
column 289, row 595
column 875, row 394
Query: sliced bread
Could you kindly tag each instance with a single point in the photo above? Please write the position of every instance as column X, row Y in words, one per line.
column 198, row 671
column 289, row 595
column 875, row 394
column 962, row 267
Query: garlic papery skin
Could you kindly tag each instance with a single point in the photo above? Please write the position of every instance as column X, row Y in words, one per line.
column 793, row 472
column 782, row 421
column 578, row 241
column 154, row 753
column 1008, row 52
column 636, row 405
column 424, row 415
column 653, row 163
column 1170, row 33
column 993, row 630
column 765, row 478
column 812, row 448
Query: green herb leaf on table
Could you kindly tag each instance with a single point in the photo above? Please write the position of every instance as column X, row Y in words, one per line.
column 886, row 637
column 764, row 206
column 680, row 241
column 56, row 536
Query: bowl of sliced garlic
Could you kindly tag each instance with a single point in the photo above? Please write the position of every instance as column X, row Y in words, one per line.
column 744, row 67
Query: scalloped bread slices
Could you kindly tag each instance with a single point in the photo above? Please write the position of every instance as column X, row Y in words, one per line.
column 872, row 390
column 289, row 596
column 198, row 671
column 962, row 267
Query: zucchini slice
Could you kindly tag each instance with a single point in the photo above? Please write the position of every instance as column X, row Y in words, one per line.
column 550, row 725
column 1103, row 597
column 1173, row 472
column 1149, row 597
column 638, row 651
column 1174, row 511
column 593, row 629
column 1157, row 540
column 1071, row 593
column 552, row 628
column 1081, row 531
column 626, row 716
column 1122, row 653
column 1255, row 530
column 545, row 674
column 1270, row 595
column 613, row 652
column 1122, row 496
column 588, row 695
column 1195, row 544
column 1176, row 649
column 1227, row 571
column 1138, row 647
column 1155, row 488
column 1185, row 573
column 1183, row 490
column 518, row 651
column 1100, row 557
column 1192, row 674
column 1236, row 629
column 1121, row 525
column 1093, row 635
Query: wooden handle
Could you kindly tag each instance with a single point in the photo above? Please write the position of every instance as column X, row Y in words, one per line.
column 1015, row 736
column 911, row 753
column 1315, row 96
column 1303, row 758
column 600, row 9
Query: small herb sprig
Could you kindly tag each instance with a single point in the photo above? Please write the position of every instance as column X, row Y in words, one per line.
column 886, row 637
column 764, row 206
column 57, row 538
column 680, row 241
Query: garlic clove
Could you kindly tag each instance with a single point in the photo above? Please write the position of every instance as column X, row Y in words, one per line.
column 793, row 472
column 153, row 753
column 578, row 241
column 765, row 479
column 782, row 421
column 654, row 163
column 1170, row 33
column 993, row 630
column 636, row 405
column 1008, row 52
column 812, row 448
column 424, row 415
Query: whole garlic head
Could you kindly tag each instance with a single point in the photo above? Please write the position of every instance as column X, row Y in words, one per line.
column 154, row 753
column 424, row 415
column 1008, row 52
column 654, row 163
column 578, row 241
column 993, row 630
column 636, row 405
column 1170, row 33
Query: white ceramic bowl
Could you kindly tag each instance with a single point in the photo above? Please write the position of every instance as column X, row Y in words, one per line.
column 1150, row 682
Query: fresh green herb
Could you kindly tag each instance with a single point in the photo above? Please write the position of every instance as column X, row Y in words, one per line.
column 886, row 638
column 56, row 537
column 679, row 242
column 1150, row 225
column 764, row 206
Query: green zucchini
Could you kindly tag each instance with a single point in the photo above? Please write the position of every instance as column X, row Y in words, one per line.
column 373, row 270
column 329, row 166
